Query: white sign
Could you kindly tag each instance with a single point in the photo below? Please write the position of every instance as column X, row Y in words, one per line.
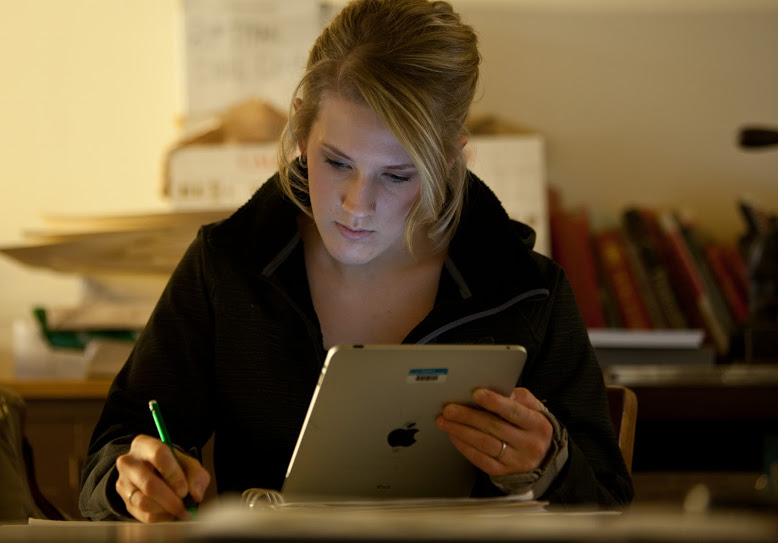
column 236, row 50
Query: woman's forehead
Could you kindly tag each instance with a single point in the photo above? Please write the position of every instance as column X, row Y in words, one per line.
column 354, row 127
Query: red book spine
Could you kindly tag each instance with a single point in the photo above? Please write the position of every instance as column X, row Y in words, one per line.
column 648, row 295
column 640, row 228
column 572, row 249
column 688, row 284
column 611, row 252
column 716, row 256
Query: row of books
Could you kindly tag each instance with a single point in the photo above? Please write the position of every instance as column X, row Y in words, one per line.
column 653, row 270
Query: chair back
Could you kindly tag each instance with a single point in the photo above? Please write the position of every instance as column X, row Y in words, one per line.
column 623, row 404
column 20, row 497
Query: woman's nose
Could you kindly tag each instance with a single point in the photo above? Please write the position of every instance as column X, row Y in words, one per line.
column 358, row 198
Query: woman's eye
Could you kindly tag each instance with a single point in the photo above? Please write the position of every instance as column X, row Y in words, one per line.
column 398, row 178
column 335, row 164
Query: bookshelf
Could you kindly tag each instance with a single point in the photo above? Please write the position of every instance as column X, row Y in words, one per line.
column 656, row 269
column 700, row 425
column 687, row 330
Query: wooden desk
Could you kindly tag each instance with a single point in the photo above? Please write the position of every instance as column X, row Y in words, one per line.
column 88, row 389
column 61, row 416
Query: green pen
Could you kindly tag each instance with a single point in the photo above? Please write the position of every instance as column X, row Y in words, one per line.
column 189, row 502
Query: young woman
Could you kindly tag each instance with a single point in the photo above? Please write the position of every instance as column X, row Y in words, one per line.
column 373, row 231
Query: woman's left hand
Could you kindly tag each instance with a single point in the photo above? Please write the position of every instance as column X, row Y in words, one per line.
column 509, row 435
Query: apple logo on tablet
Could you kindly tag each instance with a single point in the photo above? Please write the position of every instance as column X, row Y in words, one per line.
column 402, row 437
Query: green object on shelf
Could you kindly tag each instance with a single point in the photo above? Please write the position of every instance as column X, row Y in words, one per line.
column 78, row 339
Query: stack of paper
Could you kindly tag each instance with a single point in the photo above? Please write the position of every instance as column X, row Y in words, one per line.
column 124, row 261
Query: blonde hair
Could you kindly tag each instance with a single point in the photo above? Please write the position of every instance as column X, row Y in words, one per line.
column 414, row 63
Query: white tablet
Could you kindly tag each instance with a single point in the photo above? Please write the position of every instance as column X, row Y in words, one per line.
column 370, row 429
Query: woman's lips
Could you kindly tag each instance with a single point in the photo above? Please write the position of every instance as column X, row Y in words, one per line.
column 352, row 234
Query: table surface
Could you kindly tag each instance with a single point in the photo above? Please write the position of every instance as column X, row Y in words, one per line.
column 453, row 524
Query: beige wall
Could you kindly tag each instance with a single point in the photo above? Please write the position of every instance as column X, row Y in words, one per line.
column 641, row 105
column 87, row 105
column 638, row 104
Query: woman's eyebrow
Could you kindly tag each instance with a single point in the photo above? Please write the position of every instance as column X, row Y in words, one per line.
column 335, row 150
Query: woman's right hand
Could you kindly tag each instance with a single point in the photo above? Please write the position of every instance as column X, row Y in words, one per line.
column 152, row 482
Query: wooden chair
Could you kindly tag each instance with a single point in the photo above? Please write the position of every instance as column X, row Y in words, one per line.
column 623, row 405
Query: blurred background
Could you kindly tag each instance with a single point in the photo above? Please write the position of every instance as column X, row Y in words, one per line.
column 637, row 101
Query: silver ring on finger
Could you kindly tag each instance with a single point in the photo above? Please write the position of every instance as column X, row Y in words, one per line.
column 131, row 494
column 502, row 450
